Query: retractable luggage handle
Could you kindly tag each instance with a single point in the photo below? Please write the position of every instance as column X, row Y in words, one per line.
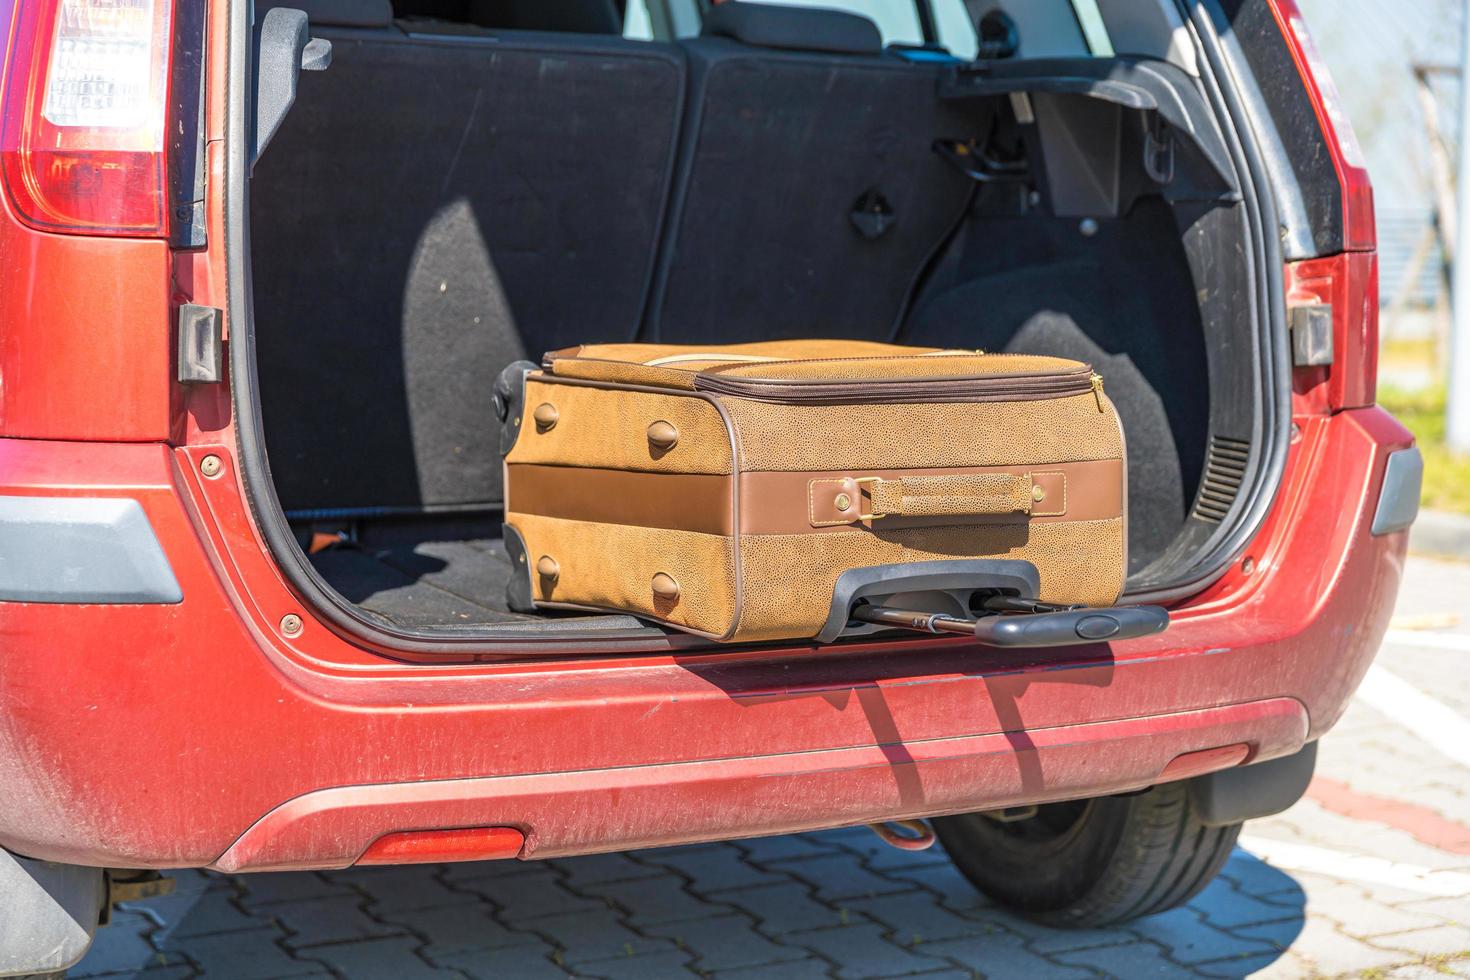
column 994, row 588
column 1036, row 625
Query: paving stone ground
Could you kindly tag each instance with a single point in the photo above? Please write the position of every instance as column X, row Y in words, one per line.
column 1370, row 886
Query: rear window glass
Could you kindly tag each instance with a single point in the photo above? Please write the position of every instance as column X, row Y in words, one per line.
column 1045, row 28
column 956, row 28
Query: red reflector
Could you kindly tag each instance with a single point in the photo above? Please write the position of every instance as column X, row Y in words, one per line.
column 85, row 110
column 442, row 846
column 1205, row 760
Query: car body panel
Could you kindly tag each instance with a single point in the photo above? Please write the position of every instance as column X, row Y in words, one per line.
column 85, row 349
column 200, row 733
column 156, row 736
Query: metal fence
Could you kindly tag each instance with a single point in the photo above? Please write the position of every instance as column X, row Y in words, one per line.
column 1407, row 237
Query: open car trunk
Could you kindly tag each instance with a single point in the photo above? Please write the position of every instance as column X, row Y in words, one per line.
column 449, row 198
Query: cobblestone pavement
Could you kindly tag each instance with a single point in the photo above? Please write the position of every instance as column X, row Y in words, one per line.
column 1370, row 876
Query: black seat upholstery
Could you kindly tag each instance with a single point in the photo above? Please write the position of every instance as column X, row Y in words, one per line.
column 431, row 210
column 580, row 16
column 336, row 13
column 793, row 28
column 448, row 199
column 809, row 198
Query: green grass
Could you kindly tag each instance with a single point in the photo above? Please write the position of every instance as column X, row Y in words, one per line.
column 1446, row 474
column 1418, row 352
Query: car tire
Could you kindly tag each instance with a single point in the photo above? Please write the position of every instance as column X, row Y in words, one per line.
column 1091, row 863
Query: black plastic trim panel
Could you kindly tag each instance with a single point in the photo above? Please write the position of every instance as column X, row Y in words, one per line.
column 1263, row 412
column 1143, row 84
column 186, row 164
column 1233, row 796
column 1253, row 26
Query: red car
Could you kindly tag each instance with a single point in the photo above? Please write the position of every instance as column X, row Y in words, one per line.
column 261, row 269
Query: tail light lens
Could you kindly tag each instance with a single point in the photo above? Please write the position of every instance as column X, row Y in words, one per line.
column 1347, row 282
column 85, row 109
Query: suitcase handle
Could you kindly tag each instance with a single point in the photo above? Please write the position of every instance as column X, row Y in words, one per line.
column 1059, row 628
column 971, row 495
column 953, row 583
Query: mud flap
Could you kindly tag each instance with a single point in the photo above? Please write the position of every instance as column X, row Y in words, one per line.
column 51, row 912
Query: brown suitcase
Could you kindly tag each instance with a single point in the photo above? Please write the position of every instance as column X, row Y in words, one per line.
column 741, row 492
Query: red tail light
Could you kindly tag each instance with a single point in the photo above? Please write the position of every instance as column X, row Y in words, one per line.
column 1348, row 282
column 85, row 108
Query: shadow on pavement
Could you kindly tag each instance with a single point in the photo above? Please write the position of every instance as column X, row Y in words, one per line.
column 824, row 904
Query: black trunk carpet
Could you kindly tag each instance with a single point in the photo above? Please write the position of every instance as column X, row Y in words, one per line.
column 425, row 583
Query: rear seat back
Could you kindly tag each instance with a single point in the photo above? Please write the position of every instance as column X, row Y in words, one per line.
column 768, row 25
column 582, row 16
column 447, row 199
column 434, row 208
column 335, row 13
column 809, row 198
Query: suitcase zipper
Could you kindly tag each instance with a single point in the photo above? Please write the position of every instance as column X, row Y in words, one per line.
column 728, row 359
column 985, row 388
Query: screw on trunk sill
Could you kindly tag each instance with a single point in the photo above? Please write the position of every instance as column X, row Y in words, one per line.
column 211, row 466
column 291, row 625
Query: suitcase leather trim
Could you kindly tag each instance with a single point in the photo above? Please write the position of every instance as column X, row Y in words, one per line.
column 805, row 502
column 844, row 501
column 786, row 503
column 699, row 502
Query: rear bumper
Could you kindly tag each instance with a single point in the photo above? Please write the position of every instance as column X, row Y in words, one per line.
column 196, row 733
column 639, row 806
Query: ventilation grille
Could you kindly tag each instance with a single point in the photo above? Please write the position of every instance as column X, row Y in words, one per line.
column 1223, row 474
